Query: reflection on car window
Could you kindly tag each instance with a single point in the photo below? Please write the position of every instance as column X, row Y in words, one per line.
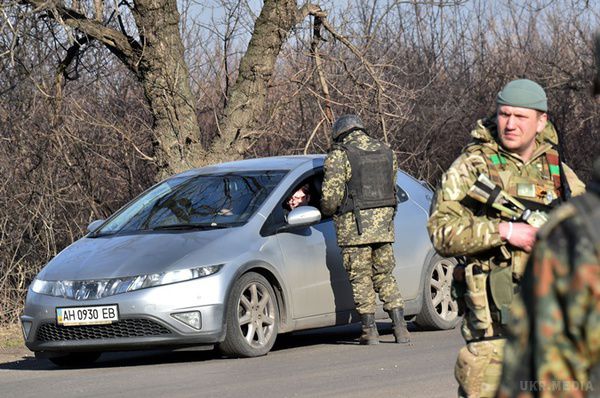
column 198, row 201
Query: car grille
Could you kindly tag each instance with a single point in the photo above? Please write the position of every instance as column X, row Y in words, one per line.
column 122, row 329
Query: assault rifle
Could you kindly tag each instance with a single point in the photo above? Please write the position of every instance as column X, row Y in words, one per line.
column 490, row 194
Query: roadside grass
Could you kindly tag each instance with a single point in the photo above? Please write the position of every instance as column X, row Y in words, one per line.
column 11, row 337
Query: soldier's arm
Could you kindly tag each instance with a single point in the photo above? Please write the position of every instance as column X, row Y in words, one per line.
column 334, row 182
column 558, row 294
column 577, row 186
column 564, row 308
column 453, row 227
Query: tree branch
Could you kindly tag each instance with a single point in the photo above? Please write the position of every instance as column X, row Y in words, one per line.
column 126, row 48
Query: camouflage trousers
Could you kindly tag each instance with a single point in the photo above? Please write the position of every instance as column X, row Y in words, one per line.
column 369, row 269
column 479, row 367
column 479, row 364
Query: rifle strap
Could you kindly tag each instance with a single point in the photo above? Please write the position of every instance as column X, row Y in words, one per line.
column 493, row 195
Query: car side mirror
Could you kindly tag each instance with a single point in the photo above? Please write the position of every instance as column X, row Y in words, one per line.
column 94, row 225
column 303, row 216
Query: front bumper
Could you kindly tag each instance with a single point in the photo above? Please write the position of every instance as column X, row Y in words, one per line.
column 145, row 321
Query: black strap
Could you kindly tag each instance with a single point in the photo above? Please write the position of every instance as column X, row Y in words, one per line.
column 532, row 205
column 493, row 195
column 489, row 338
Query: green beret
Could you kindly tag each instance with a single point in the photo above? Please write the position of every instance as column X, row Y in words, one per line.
column 523, row 93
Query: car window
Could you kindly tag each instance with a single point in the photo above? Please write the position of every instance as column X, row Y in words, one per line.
column 310, row 186
column 197, row 201
column 315, row 183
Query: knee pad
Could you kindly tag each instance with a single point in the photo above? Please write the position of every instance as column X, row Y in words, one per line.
column 479, row 367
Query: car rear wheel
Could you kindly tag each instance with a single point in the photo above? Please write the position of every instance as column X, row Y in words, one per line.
column 252, row 318
column 75, row 359
column 439, row 310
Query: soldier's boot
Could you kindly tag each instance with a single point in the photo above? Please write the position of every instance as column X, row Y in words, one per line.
column 401, row 334
column 369, row 334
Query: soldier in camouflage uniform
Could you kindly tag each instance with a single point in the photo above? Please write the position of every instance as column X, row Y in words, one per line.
column 553, row 349
column 554, row 344
column 516, row 150
column 359, row 191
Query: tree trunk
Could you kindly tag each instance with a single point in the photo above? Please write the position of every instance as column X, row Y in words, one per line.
column 165, row 78
column 247, row 98
column 157, row 59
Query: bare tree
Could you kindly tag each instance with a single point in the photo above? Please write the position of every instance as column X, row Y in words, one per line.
column 151, row 48
column 78, row 135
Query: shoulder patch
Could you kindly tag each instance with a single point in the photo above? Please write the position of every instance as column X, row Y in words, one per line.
column 560, row 214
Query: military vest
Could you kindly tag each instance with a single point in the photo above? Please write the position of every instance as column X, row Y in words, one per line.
column 371, row 185
column 534, row 192
column 546, row 191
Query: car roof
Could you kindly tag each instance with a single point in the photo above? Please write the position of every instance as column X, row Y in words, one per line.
column 267, row 163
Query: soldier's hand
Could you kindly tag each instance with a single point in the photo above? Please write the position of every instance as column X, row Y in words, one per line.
column 520, row 234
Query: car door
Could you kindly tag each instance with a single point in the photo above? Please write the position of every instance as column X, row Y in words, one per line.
column 314, row 270
column 412, row 241
column 313, row 265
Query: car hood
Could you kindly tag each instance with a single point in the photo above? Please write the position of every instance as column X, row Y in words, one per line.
column 139, row 254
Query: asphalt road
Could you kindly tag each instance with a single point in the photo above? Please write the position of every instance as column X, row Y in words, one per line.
column 322, row 363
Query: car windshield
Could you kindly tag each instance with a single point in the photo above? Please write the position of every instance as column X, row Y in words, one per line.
column 196, row 202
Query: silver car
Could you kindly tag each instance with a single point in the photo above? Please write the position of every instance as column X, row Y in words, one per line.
column 213, row 257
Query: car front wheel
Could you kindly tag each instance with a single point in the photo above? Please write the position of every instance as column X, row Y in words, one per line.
column 439, row 310
column 252, row 318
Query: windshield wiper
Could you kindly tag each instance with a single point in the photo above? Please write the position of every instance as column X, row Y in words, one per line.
column 199, row 226
column 97, row 234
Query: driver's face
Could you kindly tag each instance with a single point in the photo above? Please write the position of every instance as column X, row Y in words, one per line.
column 299, row 198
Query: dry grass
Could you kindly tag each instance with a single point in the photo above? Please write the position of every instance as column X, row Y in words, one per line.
column 11, row 337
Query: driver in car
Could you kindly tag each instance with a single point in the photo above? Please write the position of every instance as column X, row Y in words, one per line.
column 301, row 197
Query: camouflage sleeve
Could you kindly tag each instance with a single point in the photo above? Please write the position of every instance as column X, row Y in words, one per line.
column 566, row 288
column 453, row 227
column 577, row 186
column 337, row 170
column 555, row 331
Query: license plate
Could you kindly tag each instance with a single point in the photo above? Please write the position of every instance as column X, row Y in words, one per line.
column 94, row 315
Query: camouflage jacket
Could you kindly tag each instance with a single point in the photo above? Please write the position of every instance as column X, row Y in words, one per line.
column 553, row 349
column 378, row 225
column 458, row 227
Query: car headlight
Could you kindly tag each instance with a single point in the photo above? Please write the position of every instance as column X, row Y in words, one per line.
column 96, row 289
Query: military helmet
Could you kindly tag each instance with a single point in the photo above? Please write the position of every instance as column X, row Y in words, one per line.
column 346, row 124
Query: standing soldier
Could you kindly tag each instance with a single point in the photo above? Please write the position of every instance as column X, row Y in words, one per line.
column 359, row 191
column 515, row 150
column 553, row 349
